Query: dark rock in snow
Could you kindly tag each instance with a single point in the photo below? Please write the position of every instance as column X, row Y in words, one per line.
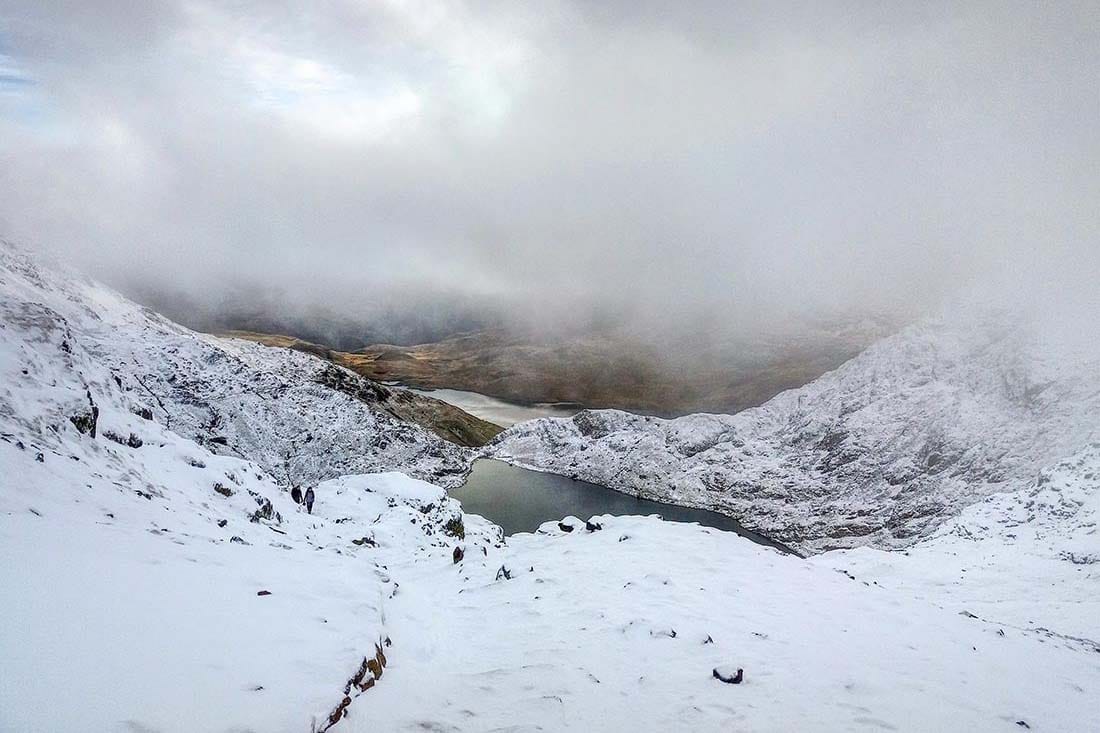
column 454, row 527
column 223, row 522
column 85, row 422
column 727, row 675
column 266, row 511
column 263, row 593
column 457, row 555
column 223, row 489
column 593, row 526
column 504, row 573
column 565, row 527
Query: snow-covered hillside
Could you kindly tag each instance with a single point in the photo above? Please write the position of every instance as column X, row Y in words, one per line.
column 73, row 348
column 156, row 575
column 880, row 451
column 1029, row 558
column 193, row 608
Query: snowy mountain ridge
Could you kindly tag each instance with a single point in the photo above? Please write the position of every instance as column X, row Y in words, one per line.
column 75, row 348
column 879, row 452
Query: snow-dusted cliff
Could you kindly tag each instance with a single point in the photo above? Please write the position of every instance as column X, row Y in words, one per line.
column 880, row 451
column 71, row 347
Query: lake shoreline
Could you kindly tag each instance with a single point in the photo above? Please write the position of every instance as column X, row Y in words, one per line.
column 520, row 498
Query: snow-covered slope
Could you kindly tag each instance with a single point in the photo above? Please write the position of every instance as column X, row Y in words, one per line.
column 1029, row 558
column 621, row 630
column 184, row 610
column 70, row 346
column 157, row 577
column 880, row 451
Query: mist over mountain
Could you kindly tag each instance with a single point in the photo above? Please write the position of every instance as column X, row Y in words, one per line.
column 742, row 166
column 579, row 365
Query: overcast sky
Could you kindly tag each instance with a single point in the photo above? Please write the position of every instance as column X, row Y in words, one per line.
column 671, row 160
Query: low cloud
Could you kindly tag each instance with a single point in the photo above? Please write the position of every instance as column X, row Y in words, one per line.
column 740, row 165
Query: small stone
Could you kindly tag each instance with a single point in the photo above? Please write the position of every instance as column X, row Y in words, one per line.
column 727, row 675
column 263, row 593
column 593, row 526
column 457, row 555
column 565, row 527
column 223, row 522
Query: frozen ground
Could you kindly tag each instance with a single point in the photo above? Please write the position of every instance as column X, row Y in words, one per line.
column 609, row 631
column 133, row 614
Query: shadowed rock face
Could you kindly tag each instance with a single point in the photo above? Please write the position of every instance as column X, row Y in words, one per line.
column 445, row 420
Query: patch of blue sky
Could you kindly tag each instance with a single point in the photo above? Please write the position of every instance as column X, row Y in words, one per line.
column 21, row 98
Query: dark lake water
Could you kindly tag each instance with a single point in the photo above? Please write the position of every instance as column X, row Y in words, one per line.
column 520, row 500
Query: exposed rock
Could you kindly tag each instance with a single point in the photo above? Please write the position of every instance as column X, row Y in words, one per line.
column 85, row 422
column 454, row 527
column 728, row 675
column 266, row 511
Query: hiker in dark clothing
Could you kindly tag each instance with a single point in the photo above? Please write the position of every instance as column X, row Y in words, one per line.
column 296, row 495
column 309, row 500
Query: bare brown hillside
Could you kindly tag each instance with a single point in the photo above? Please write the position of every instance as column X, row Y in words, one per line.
column 676, row 378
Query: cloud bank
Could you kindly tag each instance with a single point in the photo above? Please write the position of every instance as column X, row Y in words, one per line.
column 739, row 164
